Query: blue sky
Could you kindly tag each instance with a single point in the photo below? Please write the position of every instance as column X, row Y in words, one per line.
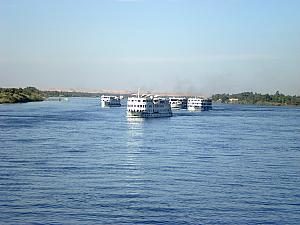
column 204, row 46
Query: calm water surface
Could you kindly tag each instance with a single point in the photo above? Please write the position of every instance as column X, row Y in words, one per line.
column 76, row 163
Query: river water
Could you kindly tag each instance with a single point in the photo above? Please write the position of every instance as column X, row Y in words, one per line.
column 76, row 163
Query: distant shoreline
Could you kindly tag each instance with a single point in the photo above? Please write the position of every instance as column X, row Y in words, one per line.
column 20, row 95
column 251, row 98
column 32, row 94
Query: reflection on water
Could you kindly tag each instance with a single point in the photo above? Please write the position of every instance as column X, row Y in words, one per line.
column 135, row 134
column 134, row 142
column 135, row 120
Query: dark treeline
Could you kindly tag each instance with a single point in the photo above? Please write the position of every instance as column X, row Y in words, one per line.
column 20, row 95
column 255, row 98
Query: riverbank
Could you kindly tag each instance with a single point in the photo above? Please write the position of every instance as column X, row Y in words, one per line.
column 20, row 95
column 277, row 99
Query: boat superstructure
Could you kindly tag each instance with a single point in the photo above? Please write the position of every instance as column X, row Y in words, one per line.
column 110, row 101
column 148, row 106
column 199, row 103
column 178, row 102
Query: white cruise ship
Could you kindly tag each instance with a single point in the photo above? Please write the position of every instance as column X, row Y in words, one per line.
column 147, row 106
column 110, row 101
column 198, row 103
column 178, row 103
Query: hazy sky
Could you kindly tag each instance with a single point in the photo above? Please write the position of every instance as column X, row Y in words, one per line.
column 205, row 46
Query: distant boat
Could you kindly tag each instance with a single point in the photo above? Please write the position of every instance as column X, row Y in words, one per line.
column 57, row 99
column 110, row 101
column 199, row 104
column 147, row 106
column 65, row 99
column 178, row 103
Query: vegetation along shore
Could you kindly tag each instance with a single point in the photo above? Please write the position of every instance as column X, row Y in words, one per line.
column 20, row 95
column 258, row 99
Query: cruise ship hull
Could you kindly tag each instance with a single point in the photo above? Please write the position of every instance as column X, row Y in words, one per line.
column 110, row 101
column 199, row 104
column 147, row 115
column 148, row 107
column 108, row 104
column 193, row 108
column 178, row 103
